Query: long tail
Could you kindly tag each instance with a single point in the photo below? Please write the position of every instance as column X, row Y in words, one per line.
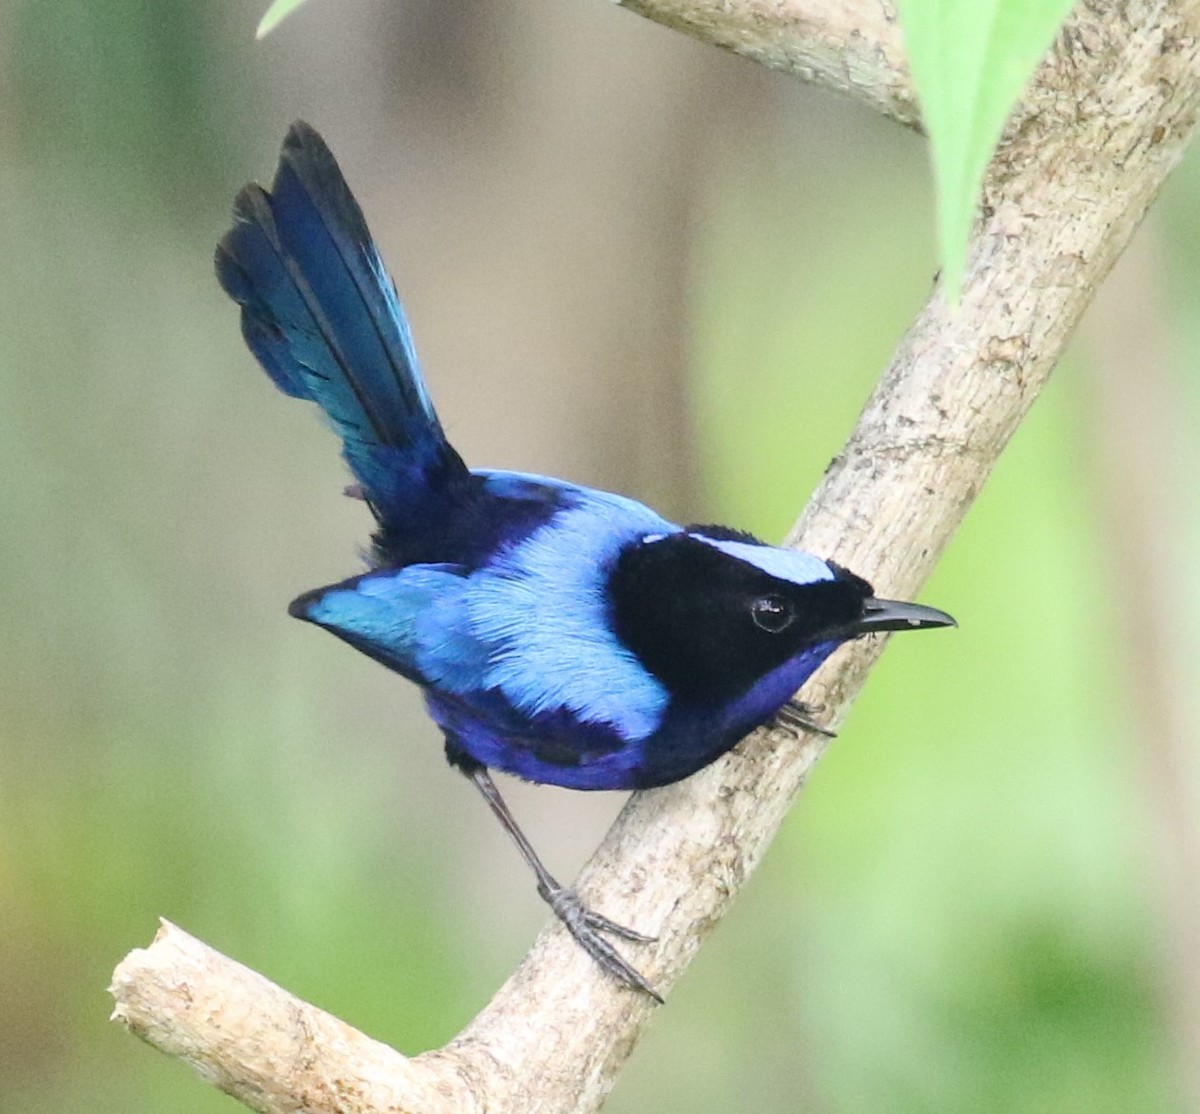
column 322, row 316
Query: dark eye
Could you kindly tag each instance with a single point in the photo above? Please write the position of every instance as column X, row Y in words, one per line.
column 772, row 613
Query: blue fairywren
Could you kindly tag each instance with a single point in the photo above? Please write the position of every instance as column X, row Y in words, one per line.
column 561, row 634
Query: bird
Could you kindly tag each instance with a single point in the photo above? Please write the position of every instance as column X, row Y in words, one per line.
column 559, row 633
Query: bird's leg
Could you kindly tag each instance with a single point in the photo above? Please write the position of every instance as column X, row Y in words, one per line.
column 795, row 713
column 580, row 921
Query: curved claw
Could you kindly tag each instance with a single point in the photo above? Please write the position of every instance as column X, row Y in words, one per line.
column 586, row 926
column 611, row 961
column 602, row 924
column 580, row 921
column 796, row 714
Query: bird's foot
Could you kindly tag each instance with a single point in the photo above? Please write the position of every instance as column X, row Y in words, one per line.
column 795, row 713
column 585, row 926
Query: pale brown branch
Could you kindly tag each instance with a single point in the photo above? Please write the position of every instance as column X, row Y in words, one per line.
column 257, row 1042
column 1109, row 114
column 851, row 46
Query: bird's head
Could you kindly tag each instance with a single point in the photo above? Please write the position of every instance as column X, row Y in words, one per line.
column 711, row 613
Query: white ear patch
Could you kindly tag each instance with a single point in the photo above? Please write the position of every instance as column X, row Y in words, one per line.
column 785, row 564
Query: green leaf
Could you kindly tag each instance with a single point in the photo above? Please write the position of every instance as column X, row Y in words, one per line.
column 970, row 60
column 275, row 15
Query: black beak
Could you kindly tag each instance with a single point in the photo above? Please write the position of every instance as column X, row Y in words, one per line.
column 884, row 615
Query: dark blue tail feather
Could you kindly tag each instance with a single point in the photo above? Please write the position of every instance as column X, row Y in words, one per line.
column 321, row 315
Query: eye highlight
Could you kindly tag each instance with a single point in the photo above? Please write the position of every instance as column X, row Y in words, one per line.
column 772, row 613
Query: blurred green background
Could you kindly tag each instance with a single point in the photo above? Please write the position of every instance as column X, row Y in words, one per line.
column 639, row 263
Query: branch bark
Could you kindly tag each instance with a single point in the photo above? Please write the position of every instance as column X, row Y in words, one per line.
column 851, row 46
column 255, row 1041
column 1108, row 115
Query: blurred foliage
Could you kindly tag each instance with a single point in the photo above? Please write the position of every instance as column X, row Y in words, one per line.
column 958, row 915
column 970, row 61
column 275, row 15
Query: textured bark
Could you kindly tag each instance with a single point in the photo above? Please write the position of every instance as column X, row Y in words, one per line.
column 1109, row 113
column 853, row 46
column 256, row 1042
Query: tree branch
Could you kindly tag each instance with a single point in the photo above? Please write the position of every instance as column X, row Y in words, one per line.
column 1109, row 114
column 255, row 1041
column 852, row 46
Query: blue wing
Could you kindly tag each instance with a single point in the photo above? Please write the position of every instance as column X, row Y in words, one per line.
column 413, row 620
column 321, row 315
column 529, row 626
